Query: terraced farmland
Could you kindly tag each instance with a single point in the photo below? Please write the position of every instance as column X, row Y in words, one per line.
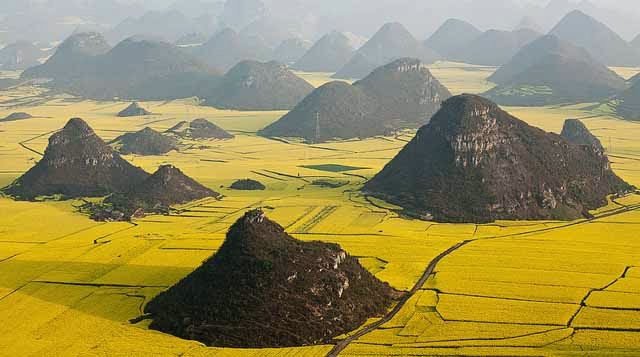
column 71, row 286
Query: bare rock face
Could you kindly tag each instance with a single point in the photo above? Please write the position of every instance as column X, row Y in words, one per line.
column 264, row 288
column 134, row 110
column 77, row 163
column 402, row 94
column 476, row 163
column 576, row 132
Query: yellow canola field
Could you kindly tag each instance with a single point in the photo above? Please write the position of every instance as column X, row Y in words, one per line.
column 70, row 286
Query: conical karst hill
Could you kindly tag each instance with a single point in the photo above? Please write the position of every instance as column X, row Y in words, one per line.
column 264, row 288
column 77, row 163
column 476, row 163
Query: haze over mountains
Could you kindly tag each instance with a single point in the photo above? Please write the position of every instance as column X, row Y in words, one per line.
column 402, row 94
column 552, row 71
column 58, row 19
column 391, row 42
column 598, row 39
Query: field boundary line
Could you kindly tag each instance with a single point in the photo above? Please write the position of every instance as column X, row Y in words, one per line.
column 342, row 345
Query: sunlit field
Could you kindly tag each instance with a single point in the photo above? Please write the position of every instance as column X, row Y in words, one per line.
column 71, row 286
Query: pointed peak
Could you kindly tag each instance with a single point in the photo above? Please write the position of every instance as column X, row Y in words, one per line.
column 77, row 127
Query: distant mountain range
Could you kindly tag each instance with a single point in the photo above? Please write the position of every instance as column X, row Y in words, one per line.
column 402, row 94
column 391, row 42
column 552, row 71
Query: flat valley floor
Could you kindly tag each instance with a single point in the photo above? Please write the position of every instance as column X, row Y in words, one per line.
column 70, row 286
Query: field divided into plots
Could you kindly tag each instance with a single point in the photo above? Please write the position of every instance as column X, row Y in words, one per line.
column 70, row 286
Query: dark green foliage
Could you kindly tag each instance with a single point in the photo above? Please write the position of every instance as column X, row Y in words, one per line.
column 248, row 185
column 402, row 94
column 330, row 183
column 144, row 142
column 333, row 168
column 476, row 163
column 264, row 288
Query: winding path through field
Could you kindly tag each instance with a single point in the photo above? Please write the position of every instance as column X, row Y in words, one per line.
column 340, row 346
column 343, row 344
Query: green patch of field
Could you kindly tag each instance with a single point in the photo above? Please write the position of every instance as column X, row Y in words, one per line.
column 333, row 167
column 525, row 91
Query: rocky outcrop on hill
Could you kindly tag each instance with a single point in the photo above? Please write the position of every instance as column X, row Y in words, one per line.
column 77, row 163
column 576, row 132
column 476, row 163
column 264, row 288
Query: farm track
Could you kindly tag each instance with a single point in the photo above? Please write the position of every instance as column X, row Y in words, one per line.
column 343, row 344
column 340, row 346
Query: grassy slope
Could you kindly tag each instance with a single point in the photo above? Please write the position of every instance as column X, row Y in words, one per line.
column 68, row 285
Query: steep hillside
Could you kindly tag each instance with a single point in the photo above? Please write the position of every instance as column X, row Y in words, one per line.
column 476, row 163
column 264, row 288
